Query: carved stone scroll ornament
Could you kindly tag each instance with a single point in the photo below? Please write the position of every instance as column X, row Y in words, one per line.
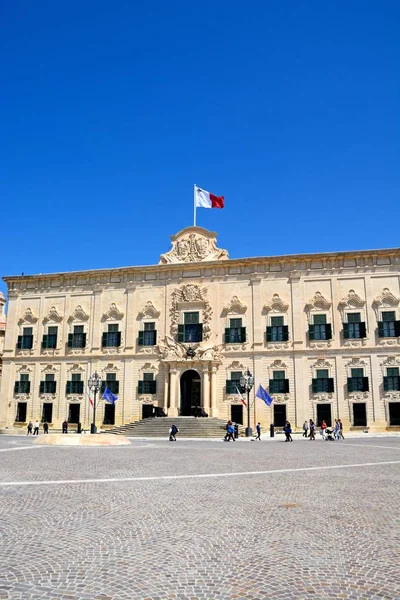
column 317, row 303
column 193, row 244
column 351, row 302
column 78, row 315
column 276, row 304
column 149, row 311
column 385, row 300
column 28, row 317
column 235, row 306
column 112, row 314
column 190, row 294
column 52, row 316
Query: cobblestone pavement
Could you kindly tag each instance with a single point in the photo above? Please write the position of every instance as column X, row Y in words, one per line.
column 287, row 533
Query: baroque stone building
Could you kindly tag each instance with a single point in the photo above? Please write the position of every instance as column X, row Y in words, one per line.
column 321, row 332
column 2, row 330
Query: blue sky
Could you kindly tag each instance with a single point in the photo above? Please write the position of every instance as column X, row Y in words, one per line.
column 110, row 112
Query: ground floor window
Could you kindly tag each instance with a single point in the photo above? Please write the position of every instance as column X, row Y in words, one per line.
column 394, row 413
column 237, row 413
column 109, row 414
column 74, row 413
column 47, row 412
column 360, row 414
column 147, row 411
column 324, row 413
column 20, row 417
column 279, row 415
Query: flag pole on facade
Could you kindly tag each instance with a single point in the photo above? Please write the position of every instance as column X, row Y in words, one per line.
column 204, row 199
column 194, row 203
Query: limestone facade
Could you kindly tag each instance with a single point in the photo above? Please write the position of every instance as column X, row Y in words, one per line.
column 3, row 321
column 284, row 317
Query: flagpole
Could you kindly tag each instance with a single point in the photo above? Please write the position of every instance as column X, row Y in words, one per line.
column 194, row 205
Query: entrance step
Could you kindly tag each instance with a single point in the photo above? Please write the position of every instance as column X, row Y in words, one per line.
column 189, row 427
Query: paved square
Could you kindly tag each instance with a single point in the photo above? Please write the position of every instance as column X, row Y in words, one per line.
column 200, row 519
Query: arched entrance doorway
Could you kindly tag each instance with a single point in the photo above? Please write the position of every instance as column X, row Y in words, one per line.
column 190, row 393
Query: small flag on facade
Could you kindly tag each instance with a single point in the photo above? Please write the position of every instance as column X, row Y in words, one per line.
column 109, row 396
column 204, row 199
column 263, row 395
column 240, row 396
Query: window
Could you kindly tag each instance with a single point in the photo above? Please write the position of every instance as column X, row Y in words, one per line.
column 147, row 385
column 111, row 338
column 235, row 333
column 191, row 330
column 320, row 329
column 391, row 383
column 25, row 341
column 233, row 384
column 357, row 382
column 111, row 383
column 388, row 326
column 277, row 332
column 50, row 340
column 278, row 384
column 23, row 386
column 322, row 382
column 49, row 385
column 75, row 385
column 77, row 339
column 148, row 337
column 354, row 328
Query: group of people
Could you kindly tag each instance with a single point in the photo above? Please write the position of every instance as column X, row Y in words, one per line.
column 336, row 431
column 36, row 428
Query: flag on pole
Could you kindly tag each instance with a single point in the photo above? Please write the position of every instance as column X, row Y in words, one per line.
column 263, row 395
column 240, row 396
column 109, row 396
column 204, row 199
column 89, row 398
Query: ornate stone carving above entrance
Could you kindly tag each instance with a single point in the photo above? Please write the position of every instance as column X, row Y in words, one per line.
column 190, row 294
column 193, row 244
column 173, row 351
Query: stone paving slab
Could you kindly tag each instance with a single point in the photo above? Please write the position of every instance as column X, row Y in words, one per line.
column 326, row 533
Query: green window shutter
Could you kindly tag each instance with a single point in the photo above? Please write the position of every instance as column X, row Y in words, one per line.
column 386, row 384
column 19, row 342
column 181, row 333
column 311, row 332
column 141, row 338
column 83, row 340
column 41, row 387
column 269, row 334
column 44, row 341
column 200, row 330
column 380, row 329
column 155, row 337
column 365, row 384
column 397, row 328
column 243, row 334
column 328, row 329
column 228, row 384
column 363, row 330
column 70, row 340
column 227, row 335
column 118, row 338
column 346, row 331
column 315, row 386
column 272, row 386
column 16, row 387
column 153, row 387
column 141, row 387
column 103, row 387
column 68, row 389
column 350, row 384
column 286, row 386
column 116, row 387
column 104, row 339
column 285, row 333
column 331, row 385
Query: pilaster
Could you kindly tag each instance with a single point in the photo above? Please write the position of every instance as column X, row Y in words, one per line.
column 173, row 393
column 214, row 408
column 206, row 389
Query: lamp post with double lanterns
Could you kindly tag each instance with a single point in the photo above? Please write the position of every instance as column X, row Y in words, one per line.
column 246, row 383
column 94, row 384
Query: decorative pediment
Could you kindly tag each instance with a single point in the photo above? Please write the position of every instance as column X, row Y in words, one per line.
column 279, row 364
column 391, row 361
column 235, row 306
column 193, row 244
column 52, row 316
column 50, row 369
column 236, row 366
column 351, row 302
column 276, row 304
column 190, row 294
column 318, row 302
column 78, row 315
column 385, row 300
column 110, row 368
column 148, row 367
column 355, row 362
column 112, row 314
column 321, row 363
column 28, row 317
column 149, row 311
column 76, row 369
column 24, row 369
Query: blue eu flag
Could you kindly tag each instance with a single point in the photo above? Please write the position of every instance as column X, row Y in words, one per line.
column 263, row 395
column 109, row 396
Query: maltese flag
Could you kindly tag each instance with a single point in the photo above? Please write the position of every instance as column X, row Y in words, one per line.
column 204, row 199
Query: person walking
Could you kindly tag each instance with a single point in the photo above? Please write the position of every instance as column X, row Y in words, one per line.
column 230, row 431
column 226, row 438
column 323, row 430
column 36, row 428
column 312, row 430
column 305, row 429
column 288, row 432
column 172, row 433
column 341, row 429
column 30, row 427
column 65, row 426
column 46, row 427
column 336, row 431
column 258, row 429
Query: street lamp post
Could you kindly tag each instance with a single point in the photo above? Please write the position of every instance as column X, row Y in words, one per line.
column 246, row 383
column 94, row 386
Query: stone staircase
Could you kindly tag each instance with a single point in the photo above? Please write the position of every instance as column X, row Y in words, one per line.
column 189, row 427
